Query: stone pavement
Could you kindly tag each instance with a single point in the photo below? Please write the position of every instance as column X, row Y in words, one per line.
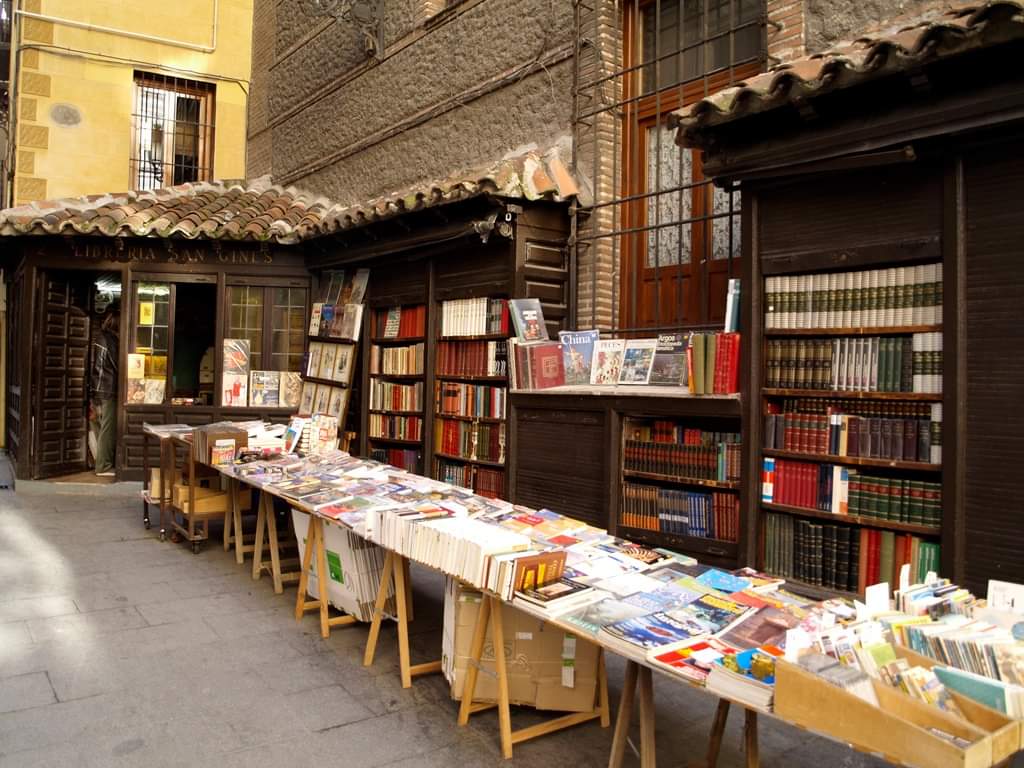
column 119, row 650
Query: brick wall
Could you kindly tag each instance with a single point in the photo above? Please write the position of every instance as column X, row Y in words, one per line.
column 786, row 30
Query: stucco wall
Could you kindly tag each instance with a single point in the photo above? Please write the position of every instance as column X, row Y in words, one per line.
column 456, row 88
column 83, row 146
column 831, row 21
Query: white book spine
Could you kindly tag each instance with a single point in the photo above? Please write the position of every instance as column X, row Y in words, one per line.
column 835, row 279
column 936, row 294
column 853, row 305
column 889, row 295
column 769, row 302
column 873, row 381
column 916, row 347
column 936, row 445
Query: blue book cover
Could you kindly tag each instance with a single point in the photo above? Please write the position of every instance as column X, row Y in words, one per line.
column 991, row 693
column 654, row 630
column 723, row 581
column 577, row 354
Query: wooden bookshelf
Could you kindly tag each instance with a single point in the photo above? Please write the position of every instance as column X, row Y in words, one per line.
column 479, row 462
column 889, row 330
column 727, row 485
column 328, row 382
column 480, row 419
column 396, row 441
column 397, row 376
column 853, row 461
column 927, row 397
column 867, row 522
column 806, row 283
column 396, row 413
column 386, row 341
column 715, row 548
column 472, row 379
column 479, row 337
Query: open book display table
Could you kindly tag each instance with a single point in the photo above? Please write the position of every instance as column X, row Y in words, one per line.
column 992, row 737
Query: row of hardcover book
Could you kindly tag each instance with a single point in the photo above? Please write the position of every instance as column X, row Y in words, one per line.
column 481, row 480
column 472, row 358
column 895, row 296
column 389, row 396
column 452, row 398
column 843, row 491
column 720, row 461
column 470, row 440
column 397, row 361
column 870, row 364
column 402, row 458
column 840, row 434
column 843, row 557
column 395, row 427
column 409, row 322
column 670, row 431
column 474, row 317
column 703, row 515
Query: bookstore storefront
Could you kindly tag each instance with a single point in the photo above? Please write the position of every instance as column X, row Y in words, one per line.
column 160, row 309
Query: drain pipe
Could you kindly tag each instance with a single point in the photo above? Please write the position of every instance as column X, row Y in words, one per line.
column 126, row 33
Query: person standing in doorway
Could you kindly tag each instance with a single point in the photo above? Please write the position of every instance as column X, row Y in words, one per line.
column 104, row 392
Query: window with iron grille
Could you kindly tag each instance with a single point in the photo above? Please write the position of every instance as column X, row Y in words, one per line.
column 658, row 243
column 172, row 131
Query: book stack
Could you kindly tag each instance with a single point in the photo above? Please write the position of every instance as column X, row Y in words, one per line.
column 454, row 473
column 683, row 513
column 879, row 430
column 796, row 549
column 916, row 502
column 910, row 363
column 389, row 396
column 395, row 427
column 470, row 440
column 474, row 317
column 895, row 296
column 489, row 483
column 470, row 400
column 400, row 322
column 713, row 363
column 472, row 358
column 397, row 361
column 700, row 455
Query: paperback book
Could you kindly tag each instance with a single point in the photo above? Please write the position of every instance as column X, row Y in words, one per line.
column 528, row 319
column 607, row 361
column 637, row 359
column 577, row 354
column 669, row 367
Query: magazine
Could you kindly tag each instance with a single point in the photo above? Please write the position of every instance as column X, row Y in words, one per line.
column 669, row 368
column 577, row 354
column 290, row 391
column 265, row 388
column 607, row 361
column 528, row 319
column 637, row 359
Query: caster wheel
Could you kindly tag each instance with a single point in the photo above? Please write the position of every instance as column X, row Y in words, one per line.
column 163, row 536
column 195, row 547
column 146, row 523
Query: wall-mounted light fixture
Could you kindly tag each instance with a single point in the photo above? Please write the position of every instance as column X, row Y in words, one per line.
column 366, row 15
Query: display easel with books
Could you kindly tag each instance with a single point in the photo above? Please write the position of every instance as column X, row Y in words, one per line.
column 851, row 414
column 471, row 382
column 335, row 327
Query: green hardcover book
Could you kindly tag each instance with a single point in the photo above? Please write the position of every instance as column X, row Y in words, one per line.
column 882, row 488
column 915, row 513
column 869, row 489
column 896, row 511
column 710, row 350
column 886, row 554
column 853, row 493
column 698, row 344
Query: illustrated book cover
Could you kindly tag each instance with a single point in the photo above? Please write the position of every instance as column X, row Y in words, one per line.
column 607, row 361
column 577, row 354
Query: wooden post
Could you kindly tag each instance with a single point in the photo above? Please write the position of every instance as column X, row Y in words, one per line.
column 323, row 577
column 750, row 738
column 647, row 719
column 229, row 514
column 476, row 651
column 717, row 731
column 307, row 563
column 236, row 511
column 625, row 715
column 257, row 547
column 378, row 607
column 602, row 690
column 402, row 596
column 275, row 552
column 498, row 640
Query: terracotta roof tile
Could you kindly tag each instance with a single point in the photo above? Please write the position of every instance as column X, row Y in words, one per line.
column 939, row 30
column 196, row 210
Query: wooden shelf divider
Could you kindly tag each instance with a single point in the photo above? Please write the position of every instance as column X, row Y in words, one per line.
column 867, row 522
column 853, row 461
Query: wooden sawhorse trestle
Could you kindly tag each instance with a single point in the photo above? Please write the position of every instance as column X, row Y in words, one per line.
column 396, row 572
column 639, row 674
column 490, row 616
column 315, row 545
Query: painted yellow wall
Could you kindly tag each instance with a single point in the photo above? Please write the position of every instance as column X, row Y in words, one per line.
column 53, row 160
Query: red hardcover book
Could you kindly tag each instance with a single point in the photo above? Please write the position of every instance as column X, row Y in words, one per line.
column 547, row 368
column 862, row 561
column 733, row 367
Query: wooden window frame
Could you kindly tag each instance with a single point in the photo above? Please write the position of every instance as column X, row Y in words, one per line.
column 641, row 111
column 268, row 286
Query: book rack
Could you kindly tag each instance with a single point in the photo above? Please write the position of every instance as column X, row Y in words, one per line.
column 490, row 617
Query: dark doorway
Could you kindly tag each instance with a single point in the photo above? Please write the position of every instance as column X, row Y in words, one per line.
column 72, row 306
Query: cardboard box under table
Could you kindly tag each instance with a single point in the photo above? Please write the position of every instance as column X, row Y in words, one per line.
column 548, row 668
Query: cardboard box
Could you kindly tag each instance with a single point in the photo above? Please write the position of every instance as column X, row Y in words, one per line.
column 205, row 438
column 548, row 668
column 209, row 501
column 354, row 565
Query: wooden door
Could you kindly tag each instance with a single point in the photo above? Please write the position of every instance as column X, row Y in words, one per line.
column 61, row 376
